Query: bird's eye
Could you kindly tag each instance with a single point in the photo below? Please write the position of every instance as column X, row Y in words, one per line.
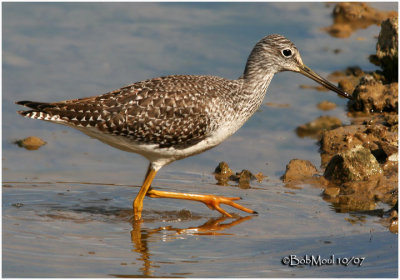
column 287, row 52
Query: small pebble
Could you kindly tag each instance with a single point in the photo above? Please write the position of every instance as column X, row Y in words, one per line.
column 30, row 143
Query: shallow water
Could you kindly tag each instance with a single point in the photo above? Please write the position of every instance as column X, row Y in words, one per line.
column 67, row 206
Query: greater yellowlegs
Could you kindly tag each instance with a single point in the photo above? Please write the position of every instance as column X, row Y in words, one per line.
column 169, row 118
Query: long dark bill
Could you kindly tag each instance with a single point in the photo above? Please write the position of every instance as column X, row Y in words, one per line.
column 314, row 76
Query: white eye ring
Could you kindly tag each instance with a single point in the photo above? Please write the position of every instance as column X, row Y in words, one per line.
column 287, row 52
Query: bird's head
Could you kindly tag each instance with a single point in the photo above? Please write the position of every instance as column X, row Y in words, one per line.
column 275, row 53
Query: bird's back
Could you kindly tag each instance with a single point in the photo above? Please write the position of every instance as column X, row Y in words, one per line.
column 172, row 111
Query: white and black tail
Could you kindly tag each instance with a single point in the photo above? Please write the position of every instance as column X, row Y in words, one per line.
column 41, row 111
column 76, row 113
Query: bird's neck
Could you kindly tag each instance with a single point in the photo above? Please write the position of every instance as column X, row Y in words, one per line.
column 251, row 95
column 257, row 75
column 255, row 82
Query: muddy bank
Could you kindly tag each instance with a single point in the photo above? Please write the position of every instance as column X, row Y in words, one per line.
column 359, row 162
column 349, row 17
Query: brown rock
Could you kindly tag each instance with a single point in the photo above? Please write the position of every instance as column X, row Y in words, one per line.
column 387, row 49
column 357, row 164
column 243, row 178
column 223, row 169
column 222, row 173
column 372, row 96
column 299, row 169
column 348, row 85
column 30, row 143
column 374, row 137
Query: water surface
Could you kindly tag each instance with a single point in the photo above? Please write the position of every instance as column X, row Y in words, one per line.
column 67, row 206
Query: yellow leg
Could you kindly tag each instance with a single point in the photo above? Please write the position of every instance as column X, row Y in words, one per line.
column 212, row 201
column 138, row 202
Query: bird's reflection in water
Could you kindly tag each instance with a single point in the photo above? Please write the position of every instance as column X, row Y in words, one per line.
column 140, row 236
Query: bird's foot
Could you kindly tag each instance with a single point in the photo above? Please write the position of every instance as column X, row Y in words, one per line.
column 213, row 202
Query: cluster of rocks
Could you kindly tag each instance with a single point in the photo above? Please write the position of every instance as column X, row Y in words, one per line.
column 360, row 161
column 223, row 174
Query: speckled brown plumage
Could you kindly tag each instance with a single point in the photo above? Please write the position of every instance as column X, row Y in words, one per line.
column 167, row 111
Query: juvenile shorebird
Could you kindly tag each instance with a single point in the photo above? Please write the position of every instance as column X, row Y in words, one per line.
column 169, row 118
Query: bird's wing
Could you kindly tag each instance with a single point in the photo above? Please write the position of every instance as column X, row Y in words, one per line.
column 168, row 111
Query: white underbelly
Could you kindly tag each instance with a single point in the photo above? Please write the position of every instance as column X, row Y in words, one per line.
column 162, row 156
